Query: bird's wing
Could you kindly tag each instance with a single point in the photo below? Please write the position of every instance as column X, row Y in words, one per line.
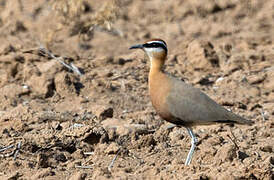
column 191, row 106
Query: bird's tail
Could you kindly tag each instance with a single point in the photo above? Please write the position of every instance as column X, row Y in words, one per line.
column 231, row 118
column 239, row 120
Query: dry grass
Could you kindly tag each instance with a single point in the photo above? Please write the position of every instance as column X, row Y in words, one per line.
column 72, row 11
column 68, row 8
column 106, row 15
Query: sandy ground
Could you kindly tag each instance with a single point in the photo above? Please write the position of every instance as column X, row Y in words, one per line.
column 64, row 126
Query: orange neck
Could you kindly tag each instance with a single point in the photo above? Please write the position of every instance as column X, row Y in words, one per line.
column 156, row 66
column 159, row 87
column 155, row 74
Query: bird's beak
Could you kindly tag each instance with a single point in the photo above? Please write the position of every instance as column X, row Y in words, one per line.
column 138, row 46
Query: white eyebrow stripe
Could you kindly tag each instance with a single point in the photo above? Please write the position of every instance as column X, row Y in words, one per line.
column 161, row 42
column 154, row 50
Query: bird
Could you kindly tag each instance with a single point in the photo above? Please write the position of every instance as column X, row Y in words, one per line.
column 178, row 102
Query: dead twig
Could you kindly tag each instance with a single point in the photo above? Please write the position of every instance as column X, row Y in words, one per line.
column 16, row 151
column 41, row 51
column 88, row 153
column 263, row 114
column 5, row 148
column 234, row 139
column 113, row 160
column 83, row 167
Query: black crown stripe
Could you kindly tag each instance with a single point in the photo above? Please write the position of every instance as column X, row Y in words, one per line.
column 155, row 45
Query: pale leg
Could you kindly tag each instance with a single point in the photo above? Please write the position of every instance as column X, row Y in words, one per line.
column 193, row 145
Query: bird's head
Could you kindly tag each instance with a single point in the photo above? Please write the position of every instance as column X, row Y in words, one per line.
column 154, row 48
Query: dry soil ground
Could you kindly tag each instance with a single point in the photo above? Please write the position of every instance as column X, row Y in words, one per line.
column 71, row 126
